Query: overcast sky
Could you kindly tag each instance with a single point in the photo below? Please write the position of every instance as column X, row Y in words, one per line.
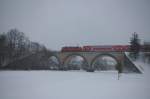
column 58, row 23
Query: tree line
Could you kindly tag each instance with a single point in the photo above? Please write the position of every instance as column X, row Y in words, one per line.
column 15, row 45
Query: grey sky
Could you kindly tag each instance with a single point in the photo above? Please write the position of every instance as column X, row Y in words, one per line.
column 58, row 23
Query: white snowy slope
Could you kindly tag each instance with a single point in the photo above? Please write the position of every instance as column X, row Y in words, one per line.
column 74, row 85
column 138, row 66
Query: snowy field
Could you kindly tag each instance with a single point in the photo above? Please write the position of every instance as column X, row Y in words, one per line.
column 74, row 85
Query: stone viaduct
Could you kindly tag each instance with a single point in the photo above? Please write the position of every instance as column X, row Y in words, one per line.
column 90, row 57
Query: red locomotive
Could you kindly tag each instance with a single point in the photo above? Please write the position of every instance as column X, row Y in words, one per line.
column 100, row 48
column 71, row 49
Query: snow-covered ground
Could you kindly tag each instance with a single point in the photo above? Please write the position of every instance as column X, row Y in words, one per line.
column 74, row 85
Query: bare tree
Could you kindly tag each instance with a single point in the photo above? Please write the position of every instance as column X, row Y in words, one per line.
column 17, row 43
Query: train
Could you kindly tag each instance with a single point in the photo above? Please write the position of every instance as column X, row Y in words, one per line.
column 100, row 48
